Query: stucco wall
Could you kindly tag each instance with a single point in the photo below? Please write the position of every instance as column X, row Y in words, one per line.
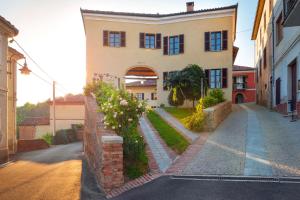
column 66, row 115
column 117, row 61
column 3, row 99
column 42, row 130
column 147, row 93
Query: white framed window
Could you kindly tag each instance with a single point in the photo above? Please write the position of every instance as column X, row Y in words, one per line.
column 215, row 78
column 140, row 96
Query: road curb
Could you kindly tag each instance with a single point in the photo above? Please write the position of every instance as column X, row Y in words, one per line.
column 238, row 178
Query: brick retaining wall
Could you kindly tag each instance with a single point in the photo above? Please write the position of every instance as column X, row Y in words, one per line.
column 103, row 149
column 31, row 145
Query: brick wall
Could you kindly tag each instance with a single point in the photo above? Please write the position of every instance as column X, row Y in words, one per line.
column 31, row 145
column 216, row 114
column 26, row 132
column 103, row 149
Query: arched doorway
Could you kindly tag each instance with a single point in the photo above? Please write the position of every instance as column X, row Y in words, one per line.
column 141, row 81
column 239, row 98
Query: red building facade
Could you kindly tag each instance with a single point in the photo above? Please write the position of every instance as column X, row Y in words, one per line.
column 244, row 85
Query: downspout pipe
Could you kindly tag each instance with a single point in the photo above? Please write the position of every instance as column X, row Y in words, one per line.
column 273, row 61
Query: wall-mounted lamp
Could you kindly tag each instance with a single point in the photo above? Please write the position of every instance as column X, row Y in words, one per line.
column 25, row 70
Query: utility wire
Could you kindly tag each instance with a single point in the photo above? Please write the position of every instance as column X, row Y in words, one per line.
column 27, row 54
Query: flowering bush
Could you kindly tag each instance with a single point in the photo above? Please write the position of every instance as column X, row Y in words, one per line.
column 121, row 114
column 121, row 110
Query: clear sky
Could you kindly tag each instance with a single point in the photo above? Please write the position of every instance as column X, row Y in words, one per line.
column 51, row 31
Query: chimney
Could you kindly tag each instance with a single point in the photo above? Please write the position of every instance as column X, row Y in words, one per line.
column 190, row 6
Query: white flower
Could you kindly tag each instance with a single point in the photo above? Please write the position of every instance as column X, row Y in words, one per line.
column 104, row 118
column 121, row 113
column 123, row 102
column 140, row 105
column 113, row 127
column 115, row 115
column 120, row 125
column 130, row 120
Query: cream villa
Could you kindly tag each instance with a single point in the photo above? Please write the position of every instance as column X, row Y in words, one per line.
column 133, row 46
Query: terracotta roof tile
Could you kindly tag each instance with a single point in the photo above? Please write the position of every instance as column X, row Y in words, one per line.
column 7, row 23
column 35, row 121
column 242, row 68
column 156, row 15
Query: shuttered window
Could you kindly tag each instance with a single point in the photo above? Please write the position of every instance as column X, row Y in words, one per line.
column 265, row 57
column 150, row 40
column 217, row 78
column 225, row 40
column 114, row 38
column 278, row 91
column 216, row 41
column 174, row 45
column 158, row 40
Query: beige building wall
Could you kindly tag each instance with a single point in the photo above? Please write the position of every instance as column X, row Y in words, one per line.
column 147, row 94
column 66, row 115
column 3, row 98
column 116, row 61
column 41, row 130
column 12, row 58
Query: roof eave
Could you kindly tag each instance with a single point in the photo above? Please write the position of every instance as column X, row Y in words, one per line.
column 259, row 11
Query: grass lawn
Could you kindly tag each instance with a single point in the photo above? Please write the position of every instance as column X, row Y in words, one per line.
column 179, row 113
column 171, row 137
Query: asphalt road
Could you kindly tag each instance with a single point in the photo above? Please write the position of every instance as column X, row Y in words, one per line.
column 51, row 174
column 167, row 188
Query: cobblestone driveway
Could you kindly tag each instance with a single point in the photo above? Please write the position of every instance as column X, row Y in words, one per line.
column 252, row 141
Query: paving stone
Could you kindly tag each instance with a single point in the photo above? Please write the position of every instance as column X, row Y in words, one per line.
column 159, row 153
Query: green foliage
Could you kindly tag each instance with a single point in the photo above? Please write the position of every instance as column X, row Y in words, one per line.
column 162, row 105
column 214, row 97
column 190, row 81
column 179, row 113
column 195, row 122
column 209, row 101
column 48, row 138
column 175, row 97
column 135, row 157
column 121, row 114
column 65, row 136
column 172, row 138
column 217, row 94
column 120, row 109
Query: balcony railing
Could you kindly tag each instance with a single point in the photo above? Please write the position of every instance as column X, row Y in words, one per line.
column 239, row 86
column 288, row 6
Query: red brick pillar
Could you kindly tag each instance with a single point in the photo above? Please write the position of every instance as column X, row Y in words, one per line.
column 111, row 162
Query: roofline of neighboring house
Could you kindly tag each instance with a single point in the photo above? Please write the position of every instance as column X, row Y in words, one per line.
column 10, row 29
column 158, row 17
column 259, row 11
column 16, row 53
column 245, row 68
column 65, row 103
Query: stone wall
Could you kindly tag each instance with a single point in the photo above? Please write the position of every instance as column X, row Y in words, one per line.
column 103, row 149
column 31, row 145
column 216, row 114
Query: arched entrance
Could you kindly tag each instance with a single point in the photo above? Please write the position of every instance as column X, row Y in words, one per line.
column 141, row 81
column 239, row 98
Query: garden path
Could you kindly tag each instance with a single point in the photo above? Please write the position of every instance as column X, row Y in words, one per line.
column 190, row 135
column 159, row 152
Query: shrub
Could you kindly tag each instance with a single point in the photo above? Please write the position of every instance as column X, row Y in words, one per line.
column 120, row 109
column 64, row 136
column 195, row 122
column 209, row 101
column 48, row 138
column 217, row 94
column 175, row 97
column 135, row 157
